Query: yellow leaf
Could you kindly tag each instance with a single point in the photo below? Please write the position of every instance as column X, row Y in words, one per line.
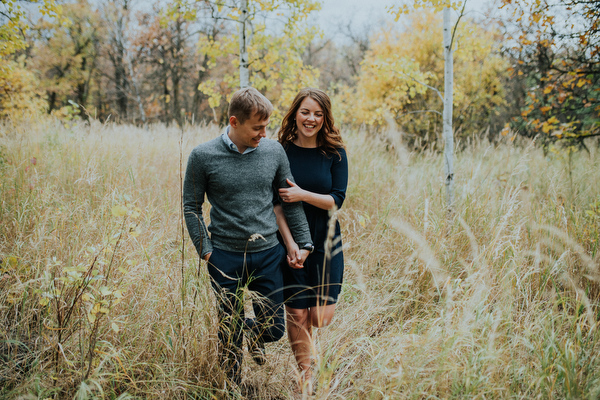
column 136, row 213
column 135, row 232
column 546, row 127
column 362, row 221
column 119, row 210
column 44, row 302
column 553, row 120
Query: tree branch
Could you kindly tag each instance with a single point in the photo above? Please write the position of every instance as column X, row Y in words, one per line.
column 420, row 112
column 424, row 84
column 462, row 12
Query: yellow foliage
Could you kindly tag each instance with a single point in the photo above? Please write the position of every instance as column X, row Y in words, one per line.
column 19, row 95
column 402, row 76
column 436, row 5
column 19, row 91
column 276, row 66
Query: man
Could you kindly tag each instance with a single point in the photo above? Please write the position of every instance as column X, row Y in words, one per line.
column 239, row 172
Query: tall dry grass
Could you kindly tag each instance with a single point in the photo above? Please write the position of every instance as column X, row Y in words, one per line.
column 102, row 294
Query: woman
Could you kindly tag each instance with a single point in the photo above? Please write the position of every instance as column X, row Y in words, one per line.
column 319, row 165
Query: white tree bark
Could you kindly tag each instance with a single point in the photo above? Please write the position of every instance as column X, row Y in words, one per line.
column 244, row 72
column 448, row 133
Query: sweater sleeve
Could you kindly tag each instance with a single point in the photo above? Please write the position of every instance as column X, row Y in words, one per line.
column 339, row 177
column 294, row 212
column 194, row 187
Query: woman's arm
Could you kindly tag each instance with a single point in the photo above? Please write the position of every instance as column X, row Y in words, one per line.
column 335, row 198
column 294, row 193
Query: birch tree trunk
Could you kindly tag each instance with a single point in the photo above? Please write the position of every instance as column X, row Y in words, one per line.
column 244, row 73
column 448, row 134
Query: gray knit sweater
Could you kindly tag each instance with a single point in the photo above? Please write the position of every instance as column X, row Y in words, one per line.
column 240, row 190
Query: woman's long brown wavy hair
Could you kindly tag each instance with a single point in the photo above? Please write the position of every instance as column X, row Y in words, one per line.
column 329, row 138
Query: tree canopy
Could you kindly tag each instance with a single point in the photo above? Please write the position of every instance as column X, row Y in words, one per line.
column 532, row 71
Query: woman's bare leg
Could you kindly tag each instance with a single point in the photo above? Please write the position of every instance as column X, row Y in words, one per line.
column 321, row 316
column 300, row 336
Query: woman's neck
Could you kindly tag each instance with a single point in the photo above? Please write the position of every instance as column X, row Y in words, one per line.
column 306, row 142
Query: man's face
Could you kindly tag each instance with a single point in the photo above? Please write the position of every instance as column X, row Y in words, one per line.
column 249, row 133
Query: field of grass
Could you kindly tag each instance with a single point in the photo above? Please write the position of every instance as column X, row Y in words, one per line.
column 102, row 294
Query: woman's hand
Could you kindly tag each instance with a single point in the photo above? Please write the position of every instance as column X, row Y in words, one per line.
column 292, row 194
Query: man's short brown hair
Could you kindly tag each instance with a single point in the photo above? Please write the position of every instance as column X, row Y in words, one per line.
column 248, row 101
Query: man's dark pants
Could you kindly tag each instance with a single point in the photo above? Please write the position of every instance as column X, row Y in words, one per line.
column 261, row 272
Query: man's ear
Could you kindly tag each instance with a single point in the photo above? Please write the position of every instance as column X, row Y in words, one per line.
column 233, row 121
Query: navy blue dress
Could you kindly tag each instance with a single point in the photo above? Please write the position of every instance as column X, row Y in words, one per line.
column 320, row 281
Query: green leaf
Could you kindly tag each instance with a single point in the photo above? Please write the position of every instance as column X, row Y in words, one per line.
column 104, row 290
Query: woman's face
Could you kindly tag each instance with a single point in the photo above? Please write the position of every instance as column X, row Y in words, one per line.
column 309, row 118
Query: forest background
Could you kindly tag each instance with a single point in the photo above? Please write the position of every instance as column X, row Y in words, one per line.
column 101, row 293
column 529, row 67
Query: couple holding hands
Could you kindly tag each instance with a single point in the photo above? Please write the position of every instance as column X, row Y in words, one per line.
column 270, row 224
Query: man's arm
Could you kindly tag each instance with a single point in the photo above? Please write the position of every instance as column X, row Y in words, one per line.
column 295, row 256
column 194, row 186
column 294, row 212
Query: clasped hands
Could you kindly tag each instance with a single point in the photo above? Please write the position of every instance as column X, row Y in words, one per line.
column 296, row 257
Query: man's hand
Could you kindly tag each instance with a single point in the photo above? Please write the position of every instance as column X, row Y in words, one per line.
column 207, row 256
column 293, row 256
column 303, row 255
column 292, row 194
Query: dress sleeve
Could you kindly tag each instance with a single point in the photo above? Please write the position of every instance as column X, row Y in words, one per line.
column 339, row 177
column 194, row 188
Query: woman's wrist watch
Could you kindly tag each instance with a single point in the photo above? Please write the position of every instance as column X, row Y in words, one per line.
column 309, row 247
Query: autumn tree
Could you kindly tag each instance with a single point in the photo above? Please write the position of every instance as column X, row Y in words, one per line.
column 554, row 49
column 19, row 87
column 402, row 76
column 65, row 54
column 276, row 38
column 116, row 51
column 171, row 63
